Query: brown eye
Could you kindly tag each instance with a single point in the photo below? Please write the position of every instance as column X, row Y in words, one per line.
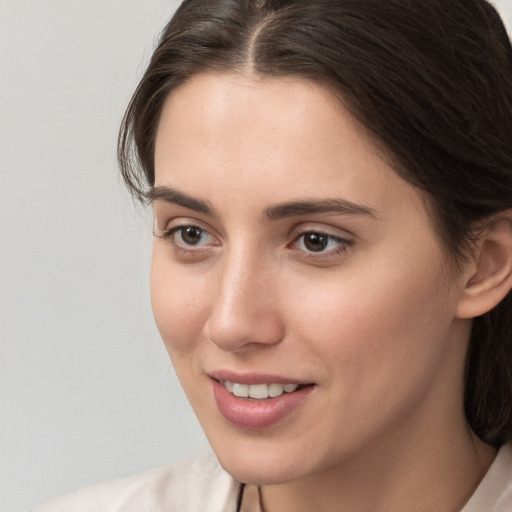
column 318, row 242
column 315, row 242
column 191, row 235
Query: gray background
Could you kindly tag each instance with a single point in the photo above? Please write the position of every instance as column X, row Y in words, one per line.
column 86, row 389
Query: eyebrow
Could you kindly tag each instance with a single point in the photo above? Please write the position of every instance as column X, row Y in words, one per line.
column 173, row 196
column 274, row 212
column 312, row 206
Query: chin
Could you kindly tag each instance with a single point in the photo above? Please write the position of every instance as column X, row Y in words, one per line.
column 260, row 466
column 261, row 473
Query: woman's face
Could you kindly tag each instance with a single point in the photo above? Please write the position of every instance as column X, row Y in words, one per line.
column 289, row 253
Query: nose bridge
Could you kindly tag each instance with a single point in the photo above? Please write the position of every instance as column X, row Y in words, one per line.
column 245, row 310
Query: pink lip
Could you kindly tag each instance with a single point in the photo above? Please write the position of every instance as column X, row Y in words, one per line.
column 254, row 378
column 252, row 414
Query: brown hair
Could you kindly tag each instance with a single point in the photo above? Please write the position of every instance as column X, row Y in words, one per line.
column 430, row 79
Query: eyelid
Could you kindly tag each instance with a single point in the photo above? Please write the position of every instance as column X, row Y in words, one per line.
column 344, row 239
column 325, row 229
column 174, row 225
column 180, row 222
column 174, row 230
column 343, row 244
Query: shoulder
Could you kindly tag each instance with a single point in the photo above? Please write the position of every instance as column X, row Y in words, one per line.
column 187, row 486
column 494, row 494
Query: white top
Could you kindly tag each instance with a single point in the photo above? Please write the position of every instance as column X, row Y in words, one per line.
column 201, row 485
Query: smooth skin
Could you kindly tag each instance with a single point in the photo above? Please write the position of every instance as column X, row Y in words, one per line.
column 352, row 292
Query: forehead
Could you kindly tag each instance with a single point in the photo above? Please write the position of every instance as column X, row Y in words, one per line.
column 230, row 132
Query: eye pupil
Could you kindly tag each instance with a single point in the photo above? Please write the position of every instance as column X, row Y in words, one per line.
column 315, row 242
column 191, row 235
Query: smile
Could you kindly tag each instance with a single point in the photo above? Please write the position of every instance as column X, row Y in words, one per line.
column 259, row 405
column 258, row 391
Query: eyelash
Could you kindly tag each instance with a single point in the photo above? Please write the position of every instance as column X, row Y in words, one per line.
column 343, row 244
column 342, row 247
column 182, row 246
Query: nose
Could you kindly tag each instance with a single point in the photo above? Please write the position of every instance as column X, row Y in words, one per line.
column 245, row 310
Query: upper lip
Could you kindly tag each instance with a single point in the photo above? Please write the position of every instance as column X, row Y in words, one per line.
column 254, row 378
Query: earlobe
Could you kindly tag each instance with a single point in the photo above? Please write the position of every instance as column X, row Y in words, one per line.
column 490, row 275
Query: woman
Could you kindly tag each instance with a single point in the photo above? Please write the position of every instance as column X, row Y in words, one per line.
column 332, row 264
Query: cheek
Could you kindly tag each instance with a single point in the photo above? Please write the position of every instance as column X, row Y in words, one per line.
column 379, row 346
column 377, row 327
column 179, row 315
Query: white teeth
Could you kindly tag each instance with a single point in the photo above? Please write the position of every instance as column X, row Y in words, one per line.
column 241, row 390
column 259, row 391
column 275, row 390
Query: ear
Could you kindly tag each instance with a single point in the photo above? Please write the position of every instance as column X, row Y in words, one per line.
column 489, row 278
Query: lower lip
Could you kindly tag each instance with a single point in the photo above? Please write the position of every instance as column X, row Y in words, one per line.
column 255, row 414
